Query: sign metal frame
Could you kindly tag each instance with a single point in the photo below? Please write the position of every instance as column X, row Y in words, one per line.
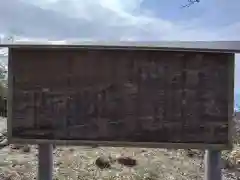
column 111, row 143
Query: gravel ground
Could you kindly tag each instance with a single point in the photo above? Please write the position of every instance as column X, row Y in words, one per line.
column 96, row 163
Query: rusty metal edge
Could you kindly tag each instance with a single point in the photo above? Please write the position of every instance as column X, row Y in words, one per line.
column 201, row 46
column 13, row 140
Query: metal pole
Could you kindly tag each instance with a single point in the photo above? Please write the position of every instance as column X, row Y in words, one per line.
column 212, row 165
column 45, row 161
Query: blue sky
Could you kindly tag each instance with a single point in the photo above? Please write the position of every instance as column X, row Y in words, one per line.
column 154, row 19
column 207, row 13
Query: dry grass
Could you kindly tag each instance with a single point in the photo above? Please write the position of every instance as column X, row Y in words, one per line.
column 232, row 158
column 78, row 163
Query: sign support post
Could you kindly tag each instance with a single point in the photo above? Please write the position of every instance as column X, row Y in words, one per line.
column 212, row 169
column 45, row 161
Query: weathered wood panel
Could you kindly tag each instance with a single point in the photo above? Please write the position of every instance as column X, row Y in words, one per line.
column 121, row 95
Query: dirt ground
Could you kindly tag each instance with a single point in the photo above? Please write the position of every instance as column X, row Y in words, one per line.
column 101, row 163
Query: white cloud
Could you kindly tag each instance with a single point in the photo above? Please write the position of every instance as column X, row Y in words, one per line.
column 120, row 7
column 122, row 20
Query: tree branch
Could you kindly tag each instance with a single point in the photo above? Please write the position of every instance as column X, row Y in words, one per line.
column 190, row 2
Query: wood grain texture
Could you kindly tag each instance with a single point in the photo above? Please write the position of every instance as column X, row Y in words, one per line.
column 121, row 96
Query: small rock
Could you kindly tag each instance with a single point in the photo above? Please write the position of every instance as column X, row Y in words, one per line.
column 26, row 149
column 127, row 161
column 94, row 146
column 103, row 162
column 14, row 165
column 71, row 149
column 58, row 163
column 190, row 153
column 143, row 150
column 194, row 153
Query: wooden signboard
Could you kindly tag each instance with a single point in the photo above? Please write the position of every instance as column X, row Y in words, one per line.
column 120, row 97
